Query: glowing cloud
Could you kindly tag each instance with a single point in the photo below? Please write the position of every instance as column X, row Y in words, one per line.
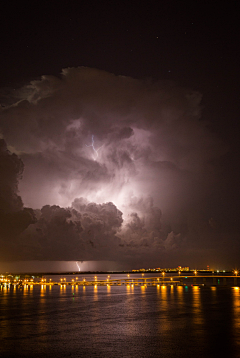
column 157, row 154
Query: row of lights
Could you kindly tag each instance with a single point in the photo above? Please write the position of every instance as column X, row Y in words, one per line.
column 163, row 273
column 95, row 277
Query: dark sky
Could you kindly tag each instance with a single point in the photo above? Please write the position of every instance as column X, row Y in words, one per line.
column 157, row 85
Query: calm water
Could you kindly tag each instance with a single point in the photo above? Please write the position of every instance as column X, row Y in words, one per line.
column 120, row 321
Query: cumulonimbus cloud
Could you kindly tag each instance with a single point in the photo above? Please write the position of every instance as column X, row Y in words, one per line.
column 113, row 165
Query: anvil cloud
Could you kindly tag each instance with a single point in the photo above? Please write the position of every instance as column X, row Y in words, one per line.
column 144, row 198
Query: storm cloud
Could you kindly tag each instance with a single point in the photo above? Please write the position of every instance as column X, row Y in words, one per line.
column 114, row 168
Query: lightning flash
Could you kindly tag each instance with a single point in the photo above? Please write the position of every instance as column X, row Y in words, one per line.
column 94, row 149
column 78, row 266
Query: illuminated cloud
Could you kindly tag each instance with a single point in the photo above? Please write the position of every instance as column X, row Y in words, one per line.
column 156, row 162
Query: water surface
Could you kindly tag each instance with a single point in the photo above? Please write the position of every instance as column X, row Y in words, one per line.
column 120, row 321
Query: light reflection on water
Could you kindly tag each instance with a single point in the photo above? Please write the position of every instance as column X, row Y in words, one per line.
column 236, row 315
column 196, row 305
column 119, row 321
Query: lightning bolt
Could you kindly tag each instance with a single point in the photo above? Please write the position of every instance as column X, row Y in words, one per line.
column 78, row 266
column 94, row 149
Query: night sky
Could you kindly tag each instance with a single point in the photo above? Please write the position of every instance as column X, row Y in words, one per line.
column 119, row 133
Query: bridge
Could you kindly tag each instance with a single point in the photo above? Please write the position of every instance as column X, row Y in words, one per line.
column 215, row 280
